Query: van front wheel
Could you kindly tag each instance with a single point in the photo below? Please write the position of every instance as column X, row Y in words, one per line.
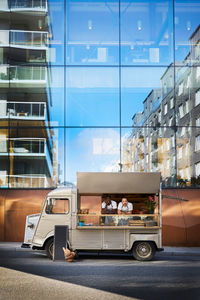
column 144, row 251
column 49, row 248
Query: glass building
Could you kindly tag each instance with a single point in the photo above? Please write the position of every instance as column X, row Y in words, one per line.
column 107, row 86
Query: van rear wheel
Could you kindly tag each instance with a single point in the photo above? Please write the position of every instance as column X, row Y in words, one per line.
column 144, row 251
column 49, row 248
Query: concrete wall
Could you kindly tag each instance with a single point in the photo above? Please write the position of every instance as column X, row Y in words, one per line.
column 181, row 220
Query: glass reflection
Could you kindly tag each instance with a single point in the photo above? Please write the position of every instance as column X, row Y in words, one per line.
column 4, row 158
column 187, row 92
column 144, row 93
column 188, row 158
column 33, row 157
column 187, row 49
column 92, row 32
column 92, row 97
column 92, row 150
column 147, row 32
column 150, row 150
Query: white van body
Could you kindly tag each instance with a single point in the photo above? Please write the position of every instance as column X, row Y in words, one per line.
column 97, row 237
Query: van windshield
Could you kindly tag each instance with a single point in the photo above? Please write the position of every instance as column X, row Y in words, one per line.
column 57, row 206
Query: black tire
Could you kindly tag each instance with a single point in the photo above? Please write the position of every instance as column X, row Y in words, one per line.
column 144, row 251
column 49, row 248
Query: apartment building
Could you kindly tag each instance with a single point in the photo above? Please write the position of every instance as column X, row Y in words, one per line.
column 26, row 143
column 169, row 139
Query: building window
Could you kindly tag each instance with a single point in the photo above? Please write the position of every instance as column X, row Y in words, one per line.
column 197, row 98
column 187, row 106
column 180, row 89
column 180, row 152
column 167, row 145
column 197, row 169
column 197, row 72
column 168, row 164
column 187, row 149
column 198, row 121
column 165, row 108
column 197, row 50
column 159, row 116
column 197, row 143
column 171, row 102
column 187, row 172
column 181, row 112
column 170, row 121
column 172, row 141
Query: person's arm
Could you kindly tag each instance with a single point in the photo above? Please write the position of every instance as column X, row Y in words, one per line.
column 130, row 209
column 104, row 210
column 119, row 209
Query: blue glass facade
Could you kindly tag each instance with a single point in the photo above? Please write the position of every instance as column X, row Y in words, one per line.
column 99, row 86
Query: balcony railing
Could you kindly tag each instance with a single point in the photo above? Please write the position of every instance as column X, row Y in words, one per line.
column 4, row 38
column 28, row 5
column 23, row 110
column 4, row 72
column 24, row 39
column 27, row 146
column 25, row 181
column 28, row 39
column 27, row 73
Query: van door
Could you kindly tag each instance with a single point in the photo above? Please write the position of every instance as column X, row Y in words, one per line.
column 56, row 211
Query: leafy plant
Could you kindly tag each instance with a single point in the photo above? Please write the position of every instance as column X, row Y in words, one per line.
column 150, row 203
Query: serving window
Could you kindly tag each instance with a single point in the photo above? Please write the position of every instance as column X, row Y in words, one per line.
column 137, row 210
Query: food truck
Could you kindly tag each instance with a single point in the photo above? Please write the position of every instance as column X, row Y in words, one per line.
column 92, row 228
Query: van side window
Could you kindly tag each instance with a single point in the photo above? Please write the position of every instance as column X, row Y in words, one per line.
column 57, row 206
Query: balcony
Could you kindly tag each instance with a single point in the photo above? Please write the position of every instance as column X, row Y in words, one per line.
column 24, row 39
column 25, row 76
column 23, row 110
column 25, row 181
column 28, row 39
column 28, row 5
column 27, row 148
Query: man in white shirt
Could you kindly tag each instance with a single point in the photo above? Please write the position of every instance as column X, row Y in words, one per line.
column 125, row 207
column 108, row 206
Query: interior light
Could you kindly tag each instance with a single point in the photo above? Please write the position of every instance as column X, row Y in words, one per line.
column 90, row 24
column 188, row 25
column 40, row 24
column 139, row 25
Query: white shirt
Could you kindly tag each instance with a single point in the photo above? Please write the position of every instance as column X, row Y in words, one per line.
column 113, row 205
column 129, row 207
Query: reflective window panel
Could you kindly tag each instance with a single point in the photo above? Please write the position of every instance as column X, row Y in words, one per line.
column 4, row 158
column 37, row 31
column 32, row 95
column 92, row 150
column 92, row 32
column 146, row 32
column 150, row 150
column 187, row 46
column 146, row 96
column 92, row 96
column 187, row 90
column 36, row 157
column 188, row 156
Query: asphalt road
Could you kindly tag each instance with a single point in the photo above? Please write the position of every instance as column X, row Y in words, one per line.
column 166, row 277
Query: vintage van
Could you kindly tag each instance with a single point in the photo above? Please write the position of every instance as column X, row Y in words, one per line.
column 89, row 229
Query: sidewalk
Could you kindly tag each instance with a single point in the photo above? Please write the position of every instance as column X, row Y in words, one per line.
column 168, row 251
column 185, row 251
